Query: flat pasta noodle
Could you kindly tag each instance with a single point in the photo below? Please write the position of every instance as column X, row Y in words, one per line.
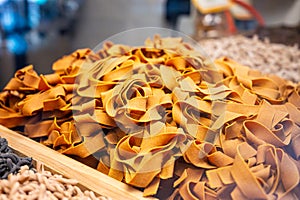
column 145, row 149
column 294, row 98
column 24, row 79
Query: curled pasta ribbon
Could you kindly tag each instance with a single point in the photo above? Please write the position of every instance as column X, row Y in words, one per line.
column 31, row 93
column 295, row 96
column 197, row 154
column 142, row 158
column 265, row 181
column 194, row 115
column 265, row 170
column 271, row 126
column 190, row 186
column 49, row 98
column 68, row 64
column 9, row 115
column 65, row 139
column 24, row 79
column 270, row 88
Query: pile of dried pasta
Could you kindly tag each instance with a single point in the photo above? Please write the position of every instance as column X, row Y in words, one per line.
column 275, row 58
column 42, row 184
column 162, row 118
column 20, row 180
column 10, row 162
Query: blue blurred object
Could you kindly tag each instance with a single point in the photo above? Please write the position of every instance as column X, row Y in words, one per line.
column 19, row 18
column 11, row 18
column 8, row 21
column 34, row 15
column 39, row 2
column 246, row 25
column 175, row 8
column 16, row 44
column 2, row 2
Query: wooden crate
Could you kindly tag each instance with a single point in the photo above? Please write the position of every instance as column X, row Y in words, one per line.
column 70, row 168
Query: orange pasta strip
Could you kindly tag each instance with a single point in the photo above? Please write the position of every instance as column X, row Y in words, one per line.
column 246, row 182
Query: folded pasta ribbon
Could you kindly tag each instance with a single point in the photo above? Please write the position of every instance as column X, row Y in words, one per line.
column 65, row 139
column 267, row 87
column 142, row 158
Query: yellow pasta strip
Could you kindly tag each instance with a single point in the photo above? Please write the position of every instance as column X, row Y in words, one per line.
column 259, row 134
column 201, row 150
column 152, row 188
column 34, row 103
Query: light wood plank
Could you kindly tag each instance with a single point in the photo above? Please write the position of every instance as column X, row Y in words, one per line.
column 68, row 167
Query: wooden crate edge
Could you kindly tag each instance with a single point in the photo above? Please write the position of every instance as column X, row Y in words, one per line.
column 87, row 176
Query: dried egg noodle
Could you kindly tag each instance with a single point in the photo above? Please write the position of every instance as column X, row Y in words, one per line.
column 162, row 112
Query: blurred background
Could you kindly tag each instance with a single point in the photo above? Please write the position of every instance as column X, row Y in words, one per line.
column 38, row 32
